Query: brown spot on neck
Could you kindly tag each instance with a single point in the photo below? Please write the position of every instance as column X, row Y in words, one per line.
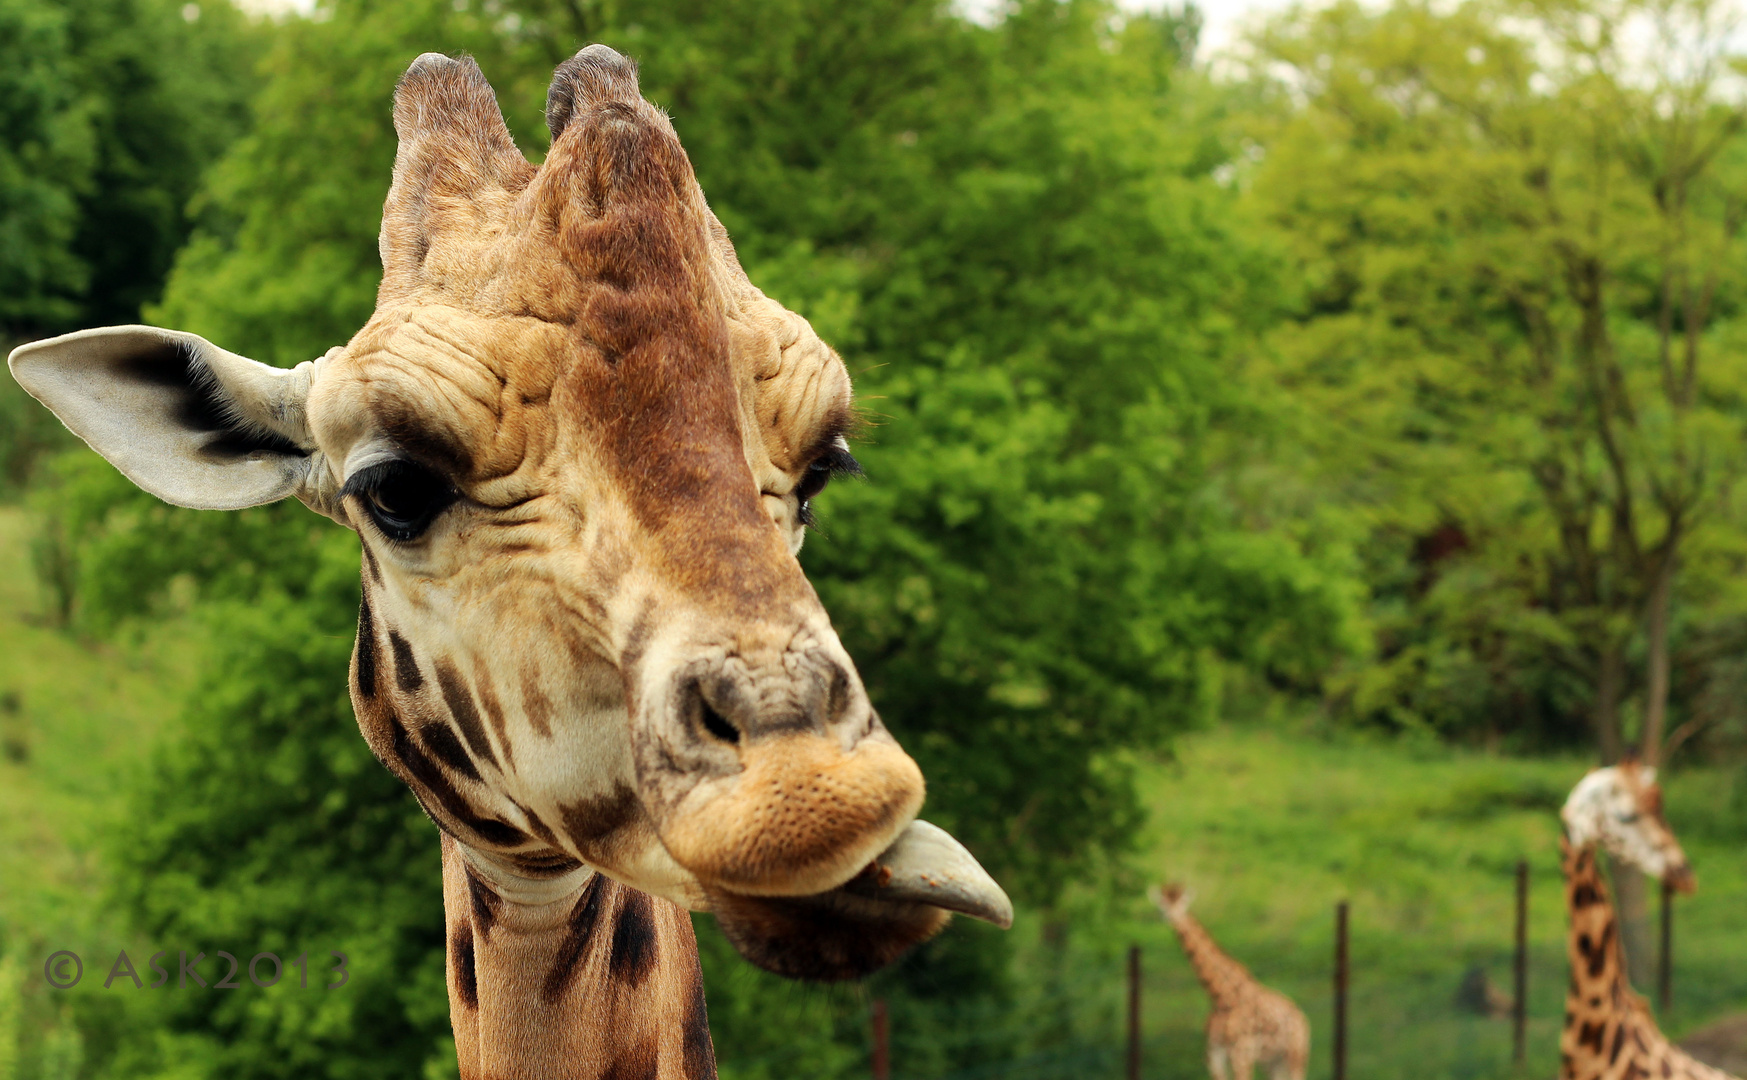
column 440, row 739
column 635, row 945
column 406, row 666
column 422, row 774
column 536, row 706
column 493, row 711
column 636, row 1061
column 699, row 1051
column 484, row 904
column 591, row 821
column 578, row 934
column 466, row 980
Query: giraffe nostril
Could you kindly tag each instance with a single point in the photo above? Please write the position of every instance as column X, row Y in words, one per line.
column 717, row 724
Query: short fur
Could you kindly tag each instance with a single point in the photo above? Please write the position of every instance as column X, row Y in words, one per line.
column 624, row 418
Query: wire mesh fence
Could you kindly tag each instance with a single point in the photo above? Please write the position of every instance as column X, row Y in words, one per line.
column 1437, row 1014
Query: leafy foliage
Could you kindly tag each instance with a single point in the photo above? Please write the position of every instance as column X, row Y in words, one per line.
column 1032, row 274
column 45, row 152
column 110, row 111
column 1514, row 349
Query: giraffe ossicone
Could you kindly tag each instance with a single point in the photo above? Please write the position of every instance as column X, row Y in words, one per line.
column 578, row 447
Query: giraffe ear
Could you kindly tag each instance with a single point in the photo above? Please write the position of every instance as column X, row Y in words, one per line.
column 185, row 420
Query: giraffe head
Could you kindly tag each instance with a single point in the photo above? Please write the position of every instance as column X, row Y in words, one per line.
column 1620, row 808
column 1173, row 900
column 578, row 447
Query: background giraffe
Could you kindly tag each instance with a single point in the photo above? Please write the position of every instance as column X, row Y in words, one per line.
column 1251, row 1024
column 1609, row 1033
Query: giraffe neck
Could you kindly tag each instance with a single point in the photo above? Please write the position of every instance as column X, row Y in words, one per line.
column 1224, row 978
column 592, row 981
column 1598, row 962
column 1603, row 1017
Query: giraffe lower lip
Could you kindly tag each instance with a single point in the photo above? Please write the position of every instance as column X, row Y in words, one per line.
column 925, row 865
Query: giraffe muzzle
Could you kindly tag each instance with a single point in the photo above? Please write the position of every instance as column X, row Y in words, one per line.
column 767, row 771
column 772, row 781
column 799, row 816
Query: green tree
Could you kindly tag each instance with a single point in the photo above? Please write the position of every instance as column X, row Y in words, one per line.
column 1517, row 350
column 168, row 85
column 46, row 156
column 1010, row 232
column 1515, row 340
column 110, row 110
column 1038, row 575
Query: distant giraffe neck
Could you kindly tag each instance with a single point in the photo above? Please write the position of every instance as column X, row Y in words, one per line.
column 1224, row 978
column 601, row 982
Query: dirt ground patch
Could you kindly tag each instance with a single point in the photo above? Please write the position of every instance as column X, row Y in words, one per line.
column 1722, row 1044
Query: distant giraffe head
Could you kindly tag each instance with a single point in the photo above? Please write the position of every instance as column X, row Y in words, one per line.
column 579, row 448
column 1173, row 900
column 1620, row 809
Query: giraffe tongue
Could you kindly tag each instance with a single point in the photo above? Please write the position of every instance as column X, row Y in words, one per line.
column 926, row 865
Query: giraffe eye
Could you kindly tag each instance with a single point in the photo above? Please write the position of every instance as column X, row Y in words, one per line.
column 402, row 498
column 813, row 481
column 834, row 460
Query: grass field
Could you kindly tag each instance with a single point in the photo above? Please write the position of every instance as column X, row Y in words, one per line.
column 76, row 716
column 1272, row 830
column 1270, row 827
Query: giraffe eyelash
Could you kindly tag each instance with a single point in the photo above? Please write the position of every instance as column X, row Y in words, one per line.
column 400, row 498
column 832, row 461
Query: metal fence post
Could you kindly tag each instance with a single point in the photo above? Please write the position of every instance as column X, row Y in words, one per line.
column 1340, row 1040
column 1665, row 961
column 1134, row 1012
column 1519, row 1006
column 882, row 1053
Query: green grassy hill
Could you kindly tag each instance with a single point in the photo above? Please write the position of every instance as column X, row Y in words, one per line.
column 1269, row 828
column 75, row 719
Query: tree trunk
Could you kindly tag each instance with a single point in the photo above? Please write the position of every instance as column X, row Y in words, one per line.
column 1610, row 685
column 1656, row 663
